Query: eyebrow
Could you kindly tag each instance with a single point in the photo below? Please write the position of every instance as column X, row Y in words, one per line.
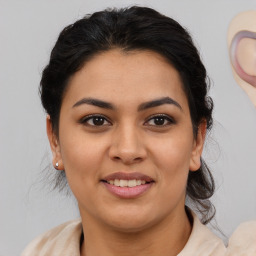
column 159, row 102
column 94, row 102
column 143, row 106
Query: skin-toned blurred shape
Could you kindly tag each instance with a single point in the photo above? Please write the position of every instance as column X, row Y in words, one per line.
column 242, row 50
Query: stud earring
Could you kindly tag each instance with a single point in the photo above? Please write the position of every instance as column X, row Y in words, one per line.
column 57, row 165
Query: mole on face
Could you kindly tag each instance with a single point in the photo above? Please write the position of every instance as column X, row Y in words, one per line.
column 242, row 50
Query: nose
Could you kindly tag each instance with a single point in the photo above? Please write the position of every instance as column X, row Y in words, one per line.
column 127, row 146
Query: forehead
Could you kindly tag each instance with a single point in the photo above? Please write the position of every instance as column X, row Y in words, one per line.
column 133, row 75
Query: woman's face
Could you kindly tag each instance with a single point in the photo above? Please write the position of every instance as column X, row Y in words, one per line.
column 126, row 140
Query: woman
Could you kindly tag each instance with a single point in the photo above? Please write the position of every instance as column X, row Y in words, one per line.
column 126, row 96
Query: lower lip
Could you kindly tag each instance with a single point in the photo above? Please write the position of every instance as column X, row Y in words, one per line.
column 126, row 192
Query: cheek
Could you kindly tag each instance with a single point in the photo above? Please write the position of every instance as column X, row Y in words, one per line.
column 172, row 159
column 173, row 155
column 81, row 157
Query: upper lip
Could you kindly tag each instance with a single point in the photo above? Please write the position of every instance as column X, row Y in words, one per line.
column 128, row 176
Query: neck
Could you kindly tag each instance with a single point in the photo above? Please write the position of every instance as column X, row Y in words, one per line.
column 166, row 238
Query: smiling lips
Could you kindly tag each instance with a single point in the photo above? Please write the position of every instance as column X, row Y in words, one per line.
column 127, row 185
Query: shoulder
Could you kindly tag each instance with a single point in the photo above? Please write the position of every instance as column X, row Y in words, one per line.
column 202, row 241
column 60, row 240
column 243, row 240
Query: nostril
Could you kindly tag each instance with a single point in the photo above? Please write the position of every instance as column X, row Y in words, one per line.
column 137, row 159
column 127, row 151
column 127, row 159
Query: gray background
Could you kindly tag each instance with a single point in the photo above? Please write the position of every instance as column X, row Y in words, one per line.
column 28, row 30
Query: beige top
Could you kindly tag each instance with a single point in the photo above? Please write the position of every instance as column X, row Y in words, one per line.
column 64, row 240
column 243, row 240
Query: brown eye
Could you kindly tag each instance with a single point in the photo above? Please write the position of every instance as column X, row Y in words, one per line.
column 160, row 120
column 95, row 120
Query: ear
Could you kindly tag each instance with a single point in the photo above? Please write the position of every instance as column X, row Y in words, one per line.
column 195, row 160
column 54, row 143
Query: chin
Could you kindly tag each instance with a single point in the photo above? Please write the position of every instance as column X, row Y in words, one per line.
column 128, row 221
column 126, row 226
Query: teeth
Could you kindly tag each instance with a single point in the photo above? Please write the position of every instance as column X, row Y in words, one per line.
column 123, row 183
column 117, row 182
column 132, row 183
column 126, row 183
column 138, row 182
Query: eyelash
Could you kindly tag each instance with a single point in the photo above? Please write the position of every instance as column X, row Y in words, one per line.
column 94, row 117
column 162, row 116
column 86, row 120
